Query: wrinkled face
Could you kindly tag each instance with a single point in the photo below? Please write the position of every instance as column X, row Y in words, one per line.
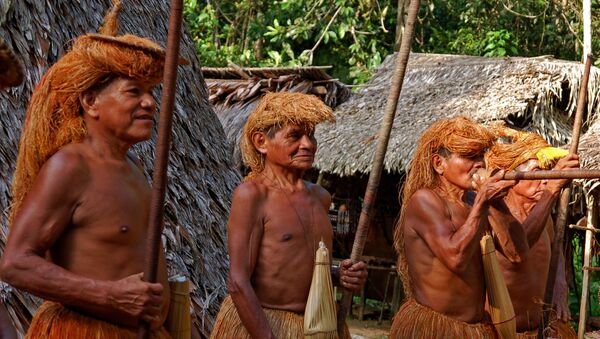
column 530, row 189
column 125, row 108
column 459, row 170
column 292, row 146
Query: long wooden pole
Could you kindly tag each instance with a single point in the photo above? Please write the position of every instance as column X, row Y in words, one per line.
column 550, row 175
column 163, row 144
column 565, row 197
column 587, row 260
column 383, row 140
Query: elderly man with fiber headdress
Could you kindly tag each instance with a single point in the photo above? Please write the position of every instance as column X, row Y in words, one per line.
column 277, row 220
column 439, row 231
column 80, row 200
column 530, row 202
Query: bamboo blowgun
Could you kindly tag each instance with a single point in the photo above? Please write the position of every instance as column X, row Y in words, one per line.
column 551, row 175
column 163, row 144
column 561, row 219
column 377, row 164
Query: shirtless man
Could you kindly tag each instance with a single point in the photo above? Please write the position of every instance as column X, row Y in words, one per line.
column 526, row 281
column 81, row 202
column 276, row 222
column 439, row 233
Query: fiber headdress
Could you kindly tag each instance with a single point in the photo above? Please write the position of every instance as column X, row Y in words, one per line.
column 54, row 116
column 460, row 136
column 11, row 70
column 278, row 110
column 516, row 147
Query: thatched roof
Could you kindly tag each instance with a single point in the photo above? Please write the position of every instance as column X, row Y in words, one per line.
column 201, row 174
column 538, row 93
column 589, row 153
column 234, row 92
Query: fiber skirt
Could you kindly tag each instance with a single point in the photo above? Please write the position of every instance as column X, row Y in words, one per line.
column 54, row 321
column 284, row 324
column 415, row 321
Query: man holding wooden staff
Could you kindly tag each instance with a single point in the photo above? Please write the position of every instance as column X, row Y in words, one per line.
column 526, row 281
column 80, row 200
column 439, row 232
column 277, row 220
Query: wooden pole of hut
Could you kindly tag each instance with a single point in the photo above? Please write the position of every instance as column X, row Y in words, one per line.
column 379, row 157
column 591, row 203
column 565, row 197
column 163, row 144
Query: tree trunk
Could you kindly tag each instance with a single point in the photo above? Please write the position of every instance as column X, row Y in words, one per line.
column 400, row 22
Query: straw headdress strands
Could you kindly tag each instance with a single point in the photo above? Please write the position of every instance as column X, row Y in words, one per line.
column 513, row 148
column 277, row 110
column 11, row 70
column 54, row 116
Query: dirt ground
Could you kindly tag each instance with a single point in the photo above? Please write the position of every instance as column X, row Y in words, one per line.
column 369, row 329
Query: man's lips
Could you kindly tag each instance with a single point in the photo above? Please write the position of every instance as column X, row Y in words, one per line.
column 144, row 117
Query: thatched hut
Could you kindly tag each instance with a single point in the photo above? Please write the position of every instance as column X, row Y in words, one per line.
column 201, row 174
column 234, row 92
column 534, row 93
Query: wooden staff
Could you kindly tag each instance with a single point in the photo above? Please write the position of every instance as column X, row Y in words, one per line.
column 377, row 165
column 550, row 175
column 161, row 162
column 565, row 197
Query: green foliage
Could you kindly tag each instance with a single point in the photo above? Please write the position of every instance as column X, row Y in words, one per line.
column 355, row 35
column 351, row 35
column 575, row 295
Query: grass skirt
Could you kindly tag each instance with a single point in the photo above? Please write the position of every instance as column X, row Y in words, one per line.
column 54, row 321
column 284, row 324
column 415, row 321
column 558, row 329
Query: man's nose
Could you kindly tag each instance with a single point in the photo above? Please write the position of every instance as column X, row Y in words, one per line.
column 308, row 142
column 148, row 101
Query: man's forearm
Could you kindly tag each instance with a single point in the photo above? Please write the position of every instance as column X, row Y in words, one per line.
column 466, row 235
column 250, row 311
column 535, row 223
column 52, row 282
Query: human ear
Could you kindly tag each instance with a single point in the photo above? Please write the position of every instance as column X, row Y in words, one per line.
column 439, row 163
column 259, row 140
column 87, row 101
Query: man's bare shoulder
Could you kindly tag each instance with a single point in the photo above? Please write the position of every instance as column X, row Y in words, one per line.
column 320, row 193
column 70, row 162
column 423, row 207
column 250, row 191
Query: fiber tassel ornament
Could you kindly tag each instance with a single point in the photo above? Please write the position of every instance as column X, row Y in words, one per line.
column 500, row 305
column 320, row 320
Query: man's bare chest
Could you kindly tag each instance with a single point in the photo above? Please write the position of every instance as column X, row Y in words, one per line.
column 114, row 206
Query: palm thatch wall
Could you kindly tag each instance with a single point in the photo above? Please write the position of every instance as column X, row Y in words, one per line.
column 201, row 172
column 537, row 93
column 234, row 92
column 589, row 153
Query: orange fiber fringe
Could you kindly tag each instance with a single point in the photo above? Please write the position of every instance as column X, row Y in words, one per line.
column 415, row 321
column 280, row 109
column 519, row 147
column 54, row 116
column 285, row 325
column 54, row 321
